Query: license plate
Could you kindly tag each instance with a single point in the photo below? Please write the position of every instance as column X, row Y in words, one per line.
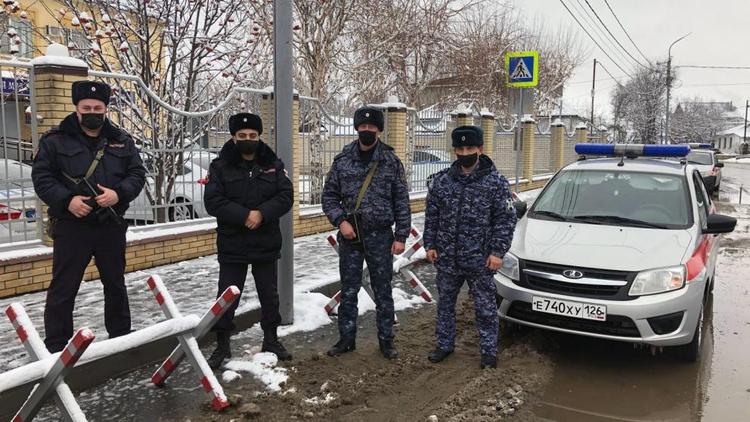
column 570, row 309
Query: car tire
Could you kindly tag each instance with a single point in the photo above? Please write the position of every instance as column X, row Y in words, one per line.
column 691, row 352
column 181, row 211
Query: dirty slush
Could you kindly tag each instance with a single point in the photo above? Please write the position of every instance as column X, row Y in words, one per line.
column 362, row 386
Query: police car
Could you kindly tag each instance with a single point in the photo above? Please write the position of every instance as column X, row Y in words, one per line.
column 704, row 158
column 622, row 248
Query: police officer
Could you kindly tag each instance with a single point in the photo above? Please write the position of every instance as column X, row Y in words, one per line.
column 87, row 170
column 365, row 193
column 469, row 225
column 248, row 191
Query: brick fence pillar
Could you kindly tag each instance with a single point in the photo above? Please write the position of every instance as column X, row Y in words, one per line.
column 52, row 93
column 528, row 126
column 395, row 129
column 582, row 133
column 268, row 114
column 557, row 150
column 488, row 126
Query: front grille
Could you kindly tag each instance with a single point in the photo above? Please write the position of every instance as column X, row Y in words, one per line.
column 542, row 284
column 615, row 325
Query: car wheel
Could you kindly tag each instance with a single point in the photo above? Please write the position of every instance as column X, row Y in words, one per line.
column 691, row 352
column 181, row 210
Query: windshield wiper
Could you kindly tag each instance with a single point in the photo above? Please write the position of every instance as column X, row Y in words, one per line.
column 600, row 219
column 551, row 214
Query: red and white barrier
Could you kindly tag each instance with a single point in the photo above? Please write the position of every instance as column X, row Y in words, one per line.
column 188, row 346
column 408, row 276
column 52, row 381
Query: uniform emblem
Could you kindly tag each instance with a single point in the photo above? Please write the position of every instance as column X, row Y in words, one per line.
column 117, row 145
column 463, row 138
column 509, row 205
column 367, row 114
column 245, row 120
column 93, row 89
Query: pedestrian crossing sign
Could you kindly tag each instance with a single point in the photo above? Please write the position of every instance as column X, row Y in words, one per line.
column 522, row 68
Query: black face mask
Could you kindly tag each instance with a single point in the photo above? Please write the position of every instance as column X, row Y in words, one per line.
column 92, row 121
column 247, row 147
column 469, row 160
column 367, row 138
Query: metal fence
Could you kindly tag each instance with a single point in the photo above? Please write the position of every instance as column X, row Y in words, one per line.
column 177, row 147
column 18, row 203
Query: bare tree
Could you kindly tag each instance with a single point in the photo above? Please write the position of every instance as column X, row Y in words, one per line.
column 642, row 101
column 190, row 54
column 696, row 120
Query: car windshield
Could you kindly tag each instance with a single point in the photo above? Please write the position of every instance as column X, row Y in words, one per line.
column 701, row 158
column 616, row 198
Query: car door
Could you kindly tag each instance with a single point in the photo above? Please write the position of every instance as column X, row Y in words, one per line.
column 705, row 208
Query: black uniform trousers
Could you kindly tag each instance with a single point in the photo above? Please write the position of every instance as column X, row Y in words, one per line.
column 74, row 243
column 265, row 275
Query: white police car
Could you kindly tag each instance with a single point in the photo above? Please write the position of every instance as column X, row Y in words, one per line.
column 703, row 158
column 621, row 248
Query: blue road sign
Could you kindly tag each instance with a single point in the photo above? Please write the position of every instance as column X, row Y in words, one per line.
column 522, row 68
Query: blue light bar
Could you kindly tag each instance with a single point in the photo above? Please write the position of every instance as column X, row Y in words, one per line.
column 695, row 145
column 632, row 150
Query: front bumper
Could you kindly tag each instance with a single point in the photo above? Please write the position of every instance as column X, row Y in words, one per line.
column 620, row 314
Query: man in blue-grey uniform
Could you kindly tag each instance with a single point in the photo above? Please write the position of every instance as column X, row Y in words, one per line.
column 469, row 226
column 365, row 193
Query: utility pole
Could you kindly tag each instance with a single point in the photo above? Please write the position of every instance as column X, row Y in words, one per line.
column 669, row 85
column 593, row 87
column 283, row 92
column 744, row 135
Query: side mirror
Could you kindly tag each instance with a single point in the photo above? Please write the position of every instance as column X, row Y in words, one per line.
column 720, row 165
column 718, row 224
column 521, row 208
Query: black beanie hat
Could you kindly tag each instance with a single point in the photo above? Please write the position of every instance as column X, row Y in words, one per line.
column 369, row 115
column 90, row 90
column 467, row 136
column 245, row 121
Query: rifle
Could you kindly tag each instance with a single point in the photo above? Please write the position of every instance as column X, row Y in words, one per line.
column 120, row 221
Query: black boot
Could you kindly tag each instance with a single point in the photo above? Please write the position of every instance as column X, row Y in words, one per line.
column 222, row 352
column 387, row 349
column 488, row 361
column 271, row 344
column 344, row 345
column 438, row 355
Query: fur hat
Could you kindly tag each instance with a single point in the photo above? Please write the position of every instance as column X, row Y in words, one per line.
column 245, row 121
column 467, row 136
column 369, row 115
column 91, row 90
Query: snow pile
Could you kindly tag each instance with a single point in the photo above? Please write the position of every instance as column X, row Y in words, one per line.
column 229, row 376
column 745, row 160
column 403, row 300
column 320, row 401
column 309, row 313
column 262, row 367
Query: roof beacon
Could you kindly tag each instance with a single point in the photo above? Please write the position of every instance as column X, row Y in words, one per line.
column 632, row 150
column 695, row 145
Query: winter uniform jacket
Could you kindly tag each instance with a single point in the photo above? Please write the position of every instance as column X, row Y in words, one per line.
column 469, row 217
column 233, row 190
column 65, row 149
column 386, row 200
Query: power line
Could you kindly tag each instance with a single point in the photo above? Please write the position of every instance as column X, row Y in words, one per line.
column 592, row 38
column 728, row 84
column 610, row 75
column 581, row 10
column 626, row 32
column 714, row 67
column 612, row 35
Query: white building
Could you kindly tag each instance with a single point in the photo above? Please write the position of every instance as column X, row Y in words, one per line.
column 730, row 140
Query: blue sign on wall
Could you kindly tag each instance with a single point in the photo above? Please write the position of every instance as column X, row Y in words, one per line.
column 11, row 86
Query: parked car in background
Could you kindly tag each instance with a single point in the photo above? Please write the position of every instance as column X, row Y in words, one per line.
column 705, row 160
column 17, row 202
column 186, row 199
column 426, row 163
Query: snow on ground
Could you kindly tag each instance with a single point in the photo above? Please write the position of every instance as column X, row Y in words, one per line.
column 262, row 366
column 744, row 160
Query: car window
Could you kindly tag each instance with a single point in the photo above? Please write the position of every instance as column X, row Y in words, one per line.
column 612, row 197
column 701, row 198
column 701, row 158
column 423, row 157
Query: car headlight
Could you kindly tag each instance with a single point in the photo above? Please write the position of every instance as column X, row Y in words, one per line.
column 510, row 267
column 658, row 281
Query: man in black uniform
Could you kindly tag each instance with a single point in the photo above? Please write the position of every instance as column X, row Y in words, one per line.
column 248, row 191
column 87, row 170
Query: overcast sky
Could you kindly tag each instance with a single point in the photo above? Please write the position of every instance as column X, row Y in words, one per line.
column 720, row 36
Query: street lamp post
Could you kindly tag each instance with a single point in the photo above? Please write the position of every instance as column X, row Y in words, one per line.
column 669, row 84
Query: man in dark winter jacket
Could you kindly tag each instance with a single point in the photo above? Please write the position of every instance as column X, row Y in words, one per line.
column 469, row 225
column 87, row 170
column 248, row 191
column 364, row 194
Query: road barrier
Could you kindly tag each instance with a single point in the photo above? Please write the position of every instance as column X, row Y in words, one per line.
column 48, row 371
column 408, row 276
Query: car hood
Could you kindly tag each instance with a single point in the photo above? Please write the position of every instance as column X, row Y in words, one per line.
column 599, row 246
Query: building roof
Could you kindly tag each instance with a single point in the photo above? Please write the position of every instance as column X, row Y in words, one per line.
column 735, row 131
